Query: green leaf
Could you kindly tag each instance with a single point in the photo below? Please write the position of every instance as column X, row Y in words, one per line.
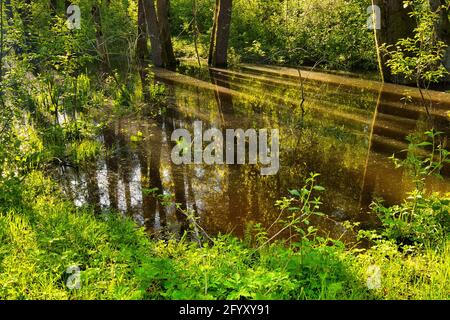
column 424, row 144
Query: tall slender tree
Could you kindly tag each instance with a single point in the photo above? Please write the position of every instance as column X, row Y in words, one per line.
column 213, row 34
column 100, row 40
column 2, row 34
column 164, row 30
column 220, row 34
column 153, row 32
column 154, row 18
column 396, row 23
column 442, row 8
column 141, row 45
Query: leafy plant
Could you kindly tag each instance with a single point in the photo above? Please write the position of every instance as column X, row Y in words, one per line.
column 301, row 206
column 419, row 59
column 421, row 163
column 421, row 220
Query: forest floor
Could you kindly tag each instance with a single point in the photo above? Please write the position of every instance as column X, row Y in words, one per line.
column 48, row 245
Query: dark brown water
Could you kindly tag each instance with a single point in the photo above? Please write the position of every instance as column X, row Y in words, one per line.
column 346, row 131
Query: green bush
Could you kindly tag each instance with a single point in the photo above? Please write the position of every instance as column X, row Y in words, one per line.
column 229, row 269
column 284, row 32
column 419, row 221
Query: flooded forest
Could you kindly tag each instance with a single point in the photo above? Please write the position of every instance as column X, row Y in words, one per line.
column 225, row 150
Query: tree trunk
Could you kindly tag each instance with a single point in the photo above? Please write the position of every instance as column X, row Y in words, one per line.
column 164, row 30
column 443, row 26
column 221, row 33
column 395, row 24
column 101, row 44
column 213, row 34
column 141, row 49
column 153, row 32
column 2, row 36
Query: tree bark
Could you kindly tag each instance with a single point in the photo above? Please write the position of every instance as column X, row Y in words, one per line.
column 164, row 30
column 212, row 40
column 141, row 45
column 101, row 44
column 2, row 35
column 395, row 25
column 221, row 34
column 153, row 32
column 443, row 26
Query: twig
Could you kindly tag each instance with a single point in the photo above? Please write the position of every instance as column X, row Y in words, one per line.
column 374, row 25
column 195, row 30
column 302, row 91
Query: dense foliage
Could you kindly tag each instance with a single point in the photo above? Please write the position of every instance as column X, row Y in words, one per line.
column 286, row 32
column 53, row 93
column 42, row 235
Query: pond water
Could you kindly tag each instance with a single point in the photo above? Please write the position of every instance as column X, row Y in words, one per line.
column 346, row 130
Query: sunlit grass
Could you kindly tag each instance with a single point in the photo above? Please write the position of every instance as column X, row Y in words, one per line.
column 42, row 235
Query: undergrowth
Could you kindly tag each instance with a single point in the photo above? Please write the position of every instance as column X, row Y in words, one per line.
column 42, row 235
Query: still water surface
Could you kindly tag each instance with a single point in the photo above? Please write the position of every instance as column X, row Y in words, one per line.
column 345, row 130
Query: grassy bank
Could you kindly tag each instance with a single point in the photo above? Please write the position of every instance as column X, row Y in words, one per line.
column 42, row 235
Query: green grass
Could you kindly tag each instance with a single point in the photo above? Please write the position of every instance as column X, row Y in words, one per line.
column 421, row 276
column 41, row 235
